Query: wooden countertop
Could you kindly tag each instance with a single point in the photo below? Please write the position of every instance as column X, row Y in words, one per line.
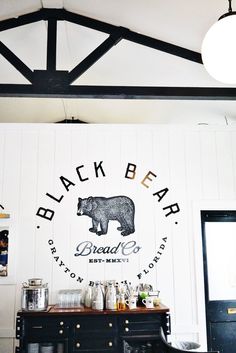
column 55, row 310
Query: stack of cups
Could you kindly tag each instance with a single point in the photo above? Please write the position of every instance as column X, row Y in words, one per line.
column 60, row 348
column 69, row 298
column 33, row 348
column 46, row 348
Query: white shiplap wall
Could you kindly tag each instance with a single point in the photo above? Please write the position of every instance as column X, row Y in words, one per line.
column 197, row 164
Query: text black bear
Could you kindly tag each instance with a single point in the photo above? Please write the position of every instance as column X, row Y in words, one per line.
column 102, row 210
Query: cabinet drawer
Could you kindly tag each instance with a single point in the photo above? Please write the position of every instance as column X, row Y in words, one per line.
column 95, row 343
column 38, row 327
column 140, row 324
column 140, row 329
column 140, row 318
column 95, row 324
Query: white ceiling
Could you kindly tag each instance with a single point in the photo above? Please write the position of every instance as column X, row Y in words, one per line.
column 181, row 22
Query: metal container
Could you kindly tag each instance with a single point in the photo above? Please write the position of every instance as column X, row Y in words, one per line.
column 35, row 281
column 34, row 295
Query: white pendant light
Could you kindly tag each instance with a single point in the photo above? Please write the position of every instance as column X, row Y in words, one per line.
column 219, row 48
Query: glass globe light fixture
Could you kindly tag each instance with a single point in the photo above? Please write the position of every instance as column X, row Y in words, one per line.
column 219, row 48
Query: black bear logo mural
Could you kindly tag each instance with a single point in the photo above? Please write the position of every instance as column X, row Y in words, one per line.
column 102, row 210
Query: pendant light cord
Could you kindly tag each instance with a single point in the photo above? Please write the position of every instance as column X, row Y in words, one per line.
column 230, row 6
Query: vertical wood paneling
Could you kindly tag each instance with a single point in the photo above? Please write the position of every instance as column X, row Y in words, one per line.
column 194, row 192
column 7, row 310
column 61, row 220
column 128, row 146
column 6, row 345
column 45, row 183
column 182, row 288
column 145, row 216
column 224, row 165
column 27, row 202
column 210, row 189
column 131, row 187
column 79, row 225
column 98, row 186
column 11, row 182
column 11, row 179
column 113, row 157
column 161, row 162
column 233, row 153
column 195, row 164
column 114, row 177
column 2, row 164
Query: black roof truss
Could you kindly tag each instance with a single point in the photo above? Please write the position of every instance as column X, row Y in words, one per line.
column 54, row 83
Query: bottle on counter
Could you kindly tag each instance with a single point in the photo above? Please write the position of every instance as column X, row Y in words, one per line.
column 121, row 302
column 88, row 297
column 110, row 299
column 98, row 297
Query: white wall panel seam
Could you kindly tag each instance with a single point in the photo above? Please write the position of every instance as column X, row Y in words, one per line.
column 7, row 332
column 172, row 251
column 70, row 157
column 191, row 272
column 3, row 168
column 217, row 165
column 19, row 195
column 53, row 223
column 154, row 217
column 233, row 159
column 36, row 199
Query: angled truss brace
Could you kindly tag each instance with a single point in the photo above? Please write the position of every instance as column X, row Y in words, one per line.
column 54, row 83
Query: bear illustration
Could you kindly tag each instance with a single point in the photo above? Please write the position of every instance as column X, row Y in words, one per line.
column 102, row 210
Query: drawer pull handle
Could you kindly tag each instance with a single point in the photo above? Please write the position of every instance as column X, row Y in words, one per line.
column 231, row 311
column 126, row 321
column 61, row 332
column 61, row 323
column 110, row 344
column 78, row 326
column 127, row 329
column 77, row 344
column 37, row 326
column 110, row 324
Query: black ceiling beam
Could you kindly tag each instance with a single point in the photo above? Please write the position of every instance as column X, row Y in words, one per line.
column 21, row 20
column 16, row 62
column 62, row 14
column 120, row 92
column 163, row 46
column 135, row 37
column 52, row 44
column 88, row 22
column 85, row 64
column 52, row 83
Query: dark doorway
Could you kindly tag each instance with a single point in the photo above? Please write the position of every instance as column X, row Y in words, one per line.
column 219, row 257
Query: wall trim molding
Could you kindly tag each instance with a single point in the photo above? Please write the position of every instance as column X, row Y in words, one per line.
column 7, row 333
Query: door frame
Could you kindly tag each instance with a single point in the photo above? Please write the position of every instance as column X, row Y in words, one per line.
column 197, row 207
column 211, row 216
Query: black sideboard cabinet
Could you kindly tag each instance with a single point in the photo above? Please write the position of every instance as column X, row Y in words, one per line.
column 88, row 331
